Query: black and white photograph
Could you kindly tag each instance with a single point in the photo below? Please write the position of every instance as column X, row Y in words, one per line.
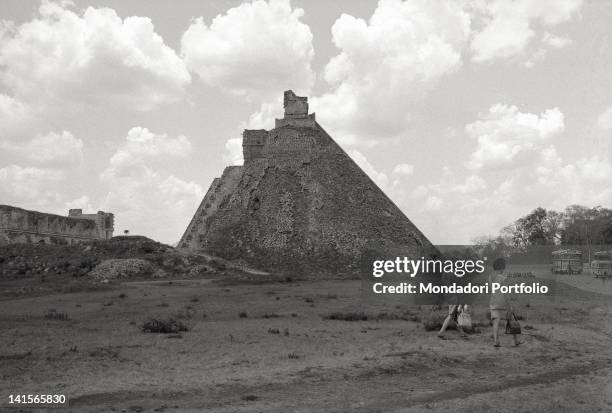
column 383, row 206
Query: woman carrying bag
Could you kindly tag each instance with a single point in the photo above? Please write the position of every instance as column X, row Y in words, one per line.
column 455, row 314
column 499, row 305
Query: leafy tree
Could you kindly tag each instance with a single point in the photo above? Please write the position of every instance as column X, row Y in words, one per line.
column 576, row 225
column 492, row 248
column 539, row 227
column 583, row 225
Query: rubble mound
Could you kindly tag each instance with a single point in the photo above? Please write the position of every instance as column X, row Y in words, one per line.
column 121, row 268
column 127, row 256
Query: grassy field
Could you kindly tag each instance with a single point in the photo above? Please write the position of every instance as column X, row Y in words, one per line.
column 299, row 346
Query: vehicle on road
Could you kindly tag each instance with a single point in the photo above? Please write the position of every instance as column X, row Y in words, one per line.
column 601, row 266
column 566, row 262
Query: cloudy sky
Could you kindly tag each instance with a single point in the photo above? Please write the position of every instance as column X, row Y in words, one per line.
column 467, row 113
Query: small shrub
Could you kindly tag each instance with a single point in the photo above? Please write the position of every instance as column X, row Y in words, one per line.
column 405, row 315
column 54, row 315
column 104, row 352
column 414, row 317
column 293, row 356
column 122, row 295
column 308, row 300
column 272, row 315
column 194, row 299
column 350, row 316
column 433, row 322
column 250, row 398
column 164, row 326
column 273, row 331
column 243, row 314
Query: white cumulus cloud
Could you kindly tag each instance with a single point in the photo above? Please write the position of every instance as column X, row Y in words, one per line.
column 518, row 169
column 507, row 137
column 387, row 63
column 93, row 57
column 30, row 187
column 233, row 149
column 142, row 145
column 510, row 26
column 403, row 169
column 256, row 49
column 554, row 41
column 16, row 117
column 59, row 150
column 380, row 178
column 142, row 142
column 604, row 121
column 145, row 197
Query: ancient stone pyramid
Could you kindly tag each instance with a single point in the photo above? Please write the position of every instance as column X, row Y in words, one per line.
column 299, row 203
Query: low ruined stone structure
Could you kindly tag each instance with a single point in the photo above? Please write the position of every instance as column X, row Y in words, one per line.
column 23, row 226
column 299, row 203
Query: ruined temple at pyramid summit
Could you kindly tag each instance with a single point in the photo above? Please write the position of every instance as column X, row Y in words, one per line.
column 299, row 203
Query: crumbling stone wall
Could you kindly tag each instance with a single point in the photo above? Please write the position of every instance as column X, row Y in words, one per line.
column 253, row 142
column 300, row 203
column 19, row 225
column 105, row 221
column 221, row 188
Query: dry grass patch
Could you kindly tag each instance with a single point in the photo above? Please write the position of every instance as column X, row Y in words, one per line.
column 54, row 315
column 347, row 316
column 164, row 326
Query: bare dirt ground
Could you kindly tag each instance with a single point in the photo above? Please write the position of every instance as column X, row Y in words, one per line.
column 270, row 348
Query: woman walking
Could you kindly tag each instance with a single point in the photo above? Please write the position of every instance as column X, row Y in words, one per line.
column 453, row 313
column 499, row 304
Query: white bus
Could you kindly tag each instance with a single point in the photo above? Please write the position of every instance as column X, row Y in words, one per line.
column 601, row 266
column 566, row 262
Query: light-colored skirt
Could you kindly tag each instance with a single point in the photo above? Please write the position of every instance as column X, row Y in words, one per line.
column 498, row 313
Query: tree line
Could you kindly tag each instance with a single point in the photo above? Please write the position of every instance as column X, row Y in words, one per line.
column 576, row 225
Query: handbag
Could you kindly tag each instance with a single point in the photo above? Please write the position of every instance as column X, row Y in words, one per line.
column 512, row 324
column 455, row 313
column 464, row 320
